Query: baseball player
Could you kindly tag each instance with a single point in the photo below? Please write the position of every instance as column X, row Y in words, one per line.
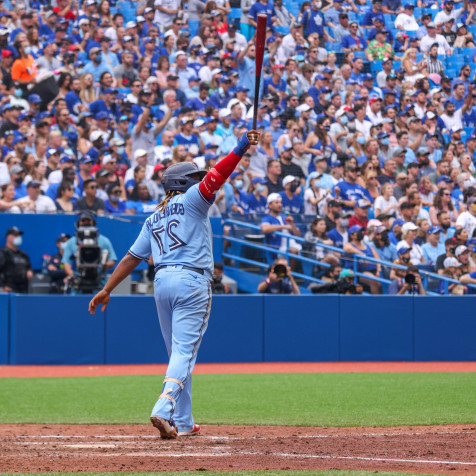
column 179, row 239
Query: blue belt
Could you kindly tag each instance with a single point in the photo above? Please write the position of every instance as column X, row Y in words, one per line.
column 190, row 268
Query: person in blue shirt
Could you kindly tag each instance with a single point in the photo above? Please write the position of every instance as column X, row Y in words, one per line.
column 276, row 221
column 291, row 195
column 368, row 20
column 114, row 204
column 348, row 191
column 140, row 201
column 247, row 70
column 313, row 21
column 339, row 235
column 275, row 83
column 202, row 101
column 222, row 96
column 86, row 219
column 186, row 137
column 433, row 248
column 236, row 198
column 257, row 199
column 262, row 6
column 96, row 67
column 16, row 175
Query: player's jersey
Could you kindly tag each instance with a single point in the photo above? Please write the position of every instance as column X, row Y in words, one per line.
column 179, row 235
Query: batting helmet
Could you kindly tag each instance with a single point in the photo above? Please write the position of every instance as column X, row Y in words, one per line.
column 177, row 176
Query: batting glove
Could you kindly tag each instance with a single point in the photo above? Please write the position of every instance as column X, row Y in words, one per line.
column 243, row 145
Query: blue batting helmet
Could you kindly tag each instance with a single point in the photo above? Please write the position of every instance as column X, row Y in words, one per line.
column 177, row 176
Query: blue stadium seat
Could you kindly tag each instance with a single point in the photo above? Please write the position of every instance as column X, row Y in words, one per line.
column 376, row 66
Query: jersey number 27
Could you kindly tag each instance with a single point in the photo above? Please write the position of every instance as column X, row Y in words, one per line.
column 176, row 242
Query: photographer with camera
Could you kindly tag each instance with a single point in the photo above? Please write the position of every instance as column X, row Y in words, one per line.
column 279, row 280
column 91, row 253
column 218, row 287
column 405, row 281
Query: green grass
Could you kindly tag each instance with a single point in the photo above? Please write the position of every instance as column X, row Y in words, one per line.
column 334, row 399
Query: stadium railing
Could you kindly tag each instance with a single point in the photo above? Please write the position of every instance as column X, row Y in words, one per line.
column 263, row 255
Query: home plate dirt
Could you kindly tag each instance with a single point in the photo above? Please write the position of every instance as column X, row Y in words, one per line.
column 70, row 448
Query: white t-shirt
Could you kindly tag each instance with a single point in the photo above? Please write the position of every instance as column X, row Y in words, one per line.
column 165, row 19
column 43, row 204
column 455, row 120
column 427, row 41
column 309, row 208
column 416, row 253
column 381, row 204
column 149, row 171
column 407, row 22
column 467, row 221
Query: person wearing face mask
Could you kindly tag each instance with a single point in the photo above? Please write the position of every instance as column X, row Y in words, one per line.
column 15, row 266
column 339, row 131
column 24, row 68
column 339, row 235
column 257, row 198
column 53, row 267
column 291, row 195
column 114, row 204
column 235, row 196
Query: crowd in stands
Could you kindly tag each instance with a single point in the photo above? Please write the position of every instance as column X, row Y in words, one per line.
column 367, row 113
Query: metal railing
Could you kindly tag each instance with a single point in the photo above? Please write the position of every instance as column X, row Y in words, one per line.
column 270, row 252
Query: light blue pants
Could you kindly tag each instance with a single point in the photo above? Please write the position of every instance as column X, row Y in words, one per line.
column 183, row 301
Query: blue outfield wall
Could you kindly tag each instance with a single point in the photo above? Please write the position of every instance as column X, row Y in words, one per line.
column 244, row 328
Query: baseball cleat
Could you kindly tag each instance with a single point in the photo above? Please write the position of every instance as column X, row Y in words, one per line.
column 193, row 432
column 167, row 429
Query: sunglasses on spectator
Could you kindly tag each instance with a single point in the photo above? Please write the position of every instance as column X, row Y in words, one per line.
column 116, row 192
column 93, row 187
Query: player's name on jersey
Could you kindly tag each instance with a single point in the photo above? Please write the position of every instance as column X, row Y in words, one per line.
column 172, row 209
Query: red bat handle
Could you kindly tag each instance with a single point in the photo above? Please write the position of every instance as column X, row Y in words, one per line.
column 260, row 41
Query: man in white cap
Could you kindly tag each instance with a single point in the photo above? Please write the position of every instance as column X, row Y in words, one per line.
column 140, row 158
column 276, row 221
column 291, row 195
column 409, row 233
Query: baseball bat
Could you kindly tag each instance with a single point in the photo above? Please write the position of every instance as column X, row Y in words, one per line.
column 260, row 40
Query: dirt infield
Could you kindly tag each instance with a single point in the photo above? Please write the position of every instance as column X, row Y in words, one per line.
column 71, row 448
column 242, row 368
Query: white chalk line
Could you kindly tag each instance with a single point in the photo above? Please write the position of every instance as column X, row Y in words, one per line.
column 212, row 437
column 279, row 455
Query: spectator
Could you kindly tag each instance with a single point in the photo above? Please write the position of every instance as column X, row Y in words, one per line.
column 409, row 233
column 361, row 210
column 279, row 280
column 218, row 287
column 35, row 202
column 433, row 248
column 357, row 246
column 451, row 270
column 291, row 195
column 443, row 203
column 15, row 266
column 316, row 235
column 467, row 219
column 343, row 284
column 276, row 221
column 54, row 268
column 409, row 284
column 89, row 201
column 7, row 202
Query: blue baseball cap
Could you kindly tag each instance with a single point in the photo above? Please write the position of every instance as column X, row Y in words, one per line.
column 101, row 115
column 241, row 89
column 123, row 118
column 210, row 146
column 34, row 98
column 258, row 180
column 51, row 152
column 433, row 229
column 444, row 178
column 110, row 91
column 354, row 229
column 234, row 175
column 86, row 159
column 399, row 222
column 66, row 158
column 367, row 77
column 210, row 156
column 18, row 138
column 403, row 250
column 270, row 40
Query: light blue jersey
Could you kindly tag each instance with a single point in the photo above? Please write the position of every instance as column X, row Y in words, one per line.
column 179, row 235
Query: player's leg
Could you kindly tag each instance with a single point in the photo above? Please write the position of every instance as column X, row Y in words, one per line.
column 166, row 427
column 192, row 302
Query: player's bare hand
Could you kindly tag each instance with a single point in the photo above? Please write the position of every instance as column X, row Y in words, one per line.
column 253, row 136
column 102, row 297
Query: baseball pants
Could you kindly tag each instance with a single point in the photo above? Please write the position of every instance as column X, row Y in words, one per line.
column 183, row 300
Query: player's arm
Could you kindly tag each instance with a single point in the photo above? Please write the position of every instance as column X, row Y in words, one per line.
column 124, row 268
column 218, row 175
